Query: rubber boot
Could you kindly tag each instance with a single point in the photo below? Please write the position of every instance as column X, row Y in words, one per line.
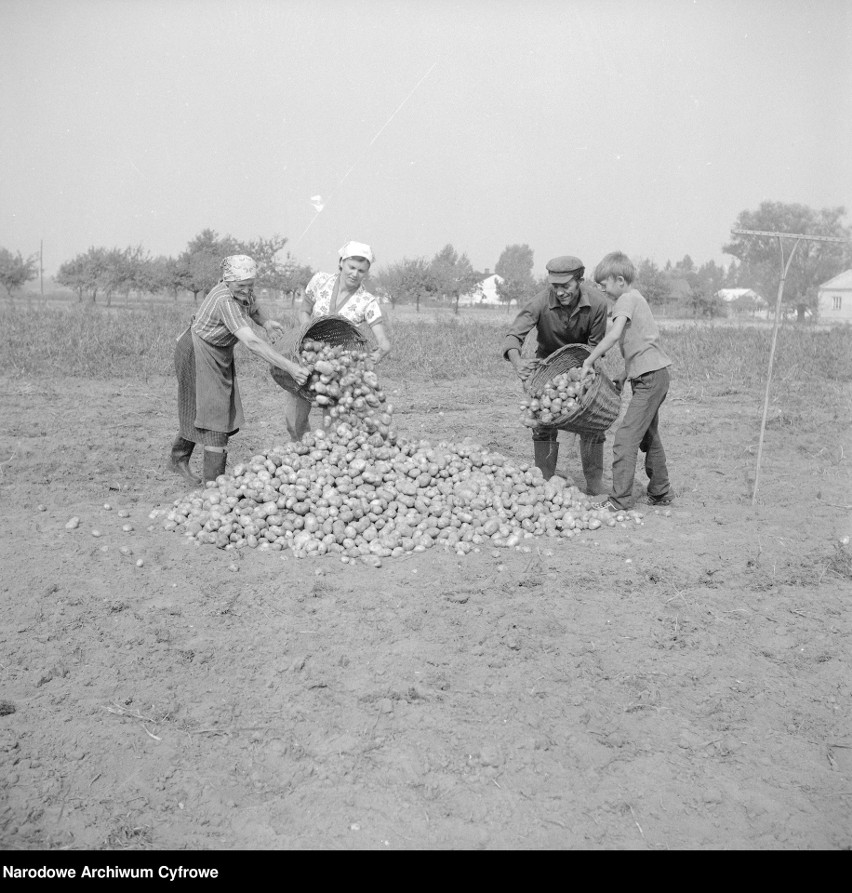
column 214, row 464
column 591, row 455
column 546, row 453
column 179, row 460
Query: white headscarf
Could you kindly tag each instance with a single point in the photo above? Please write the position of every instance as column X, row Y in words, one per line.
column 356, row 249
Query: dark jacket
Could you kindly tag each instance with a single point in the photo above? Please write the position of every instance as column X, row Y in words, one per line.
column 582, row 323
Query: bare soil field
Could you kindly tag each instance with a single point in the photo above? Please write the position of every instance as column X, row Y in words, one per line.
column 679, row 683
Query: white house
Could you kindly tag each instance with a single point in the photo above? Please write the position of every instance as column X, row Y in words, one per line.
column 484, row 294
column 834, row 299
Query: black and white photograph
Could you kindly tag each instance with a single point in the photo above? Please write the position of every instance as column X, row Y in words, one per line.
column 426, row 426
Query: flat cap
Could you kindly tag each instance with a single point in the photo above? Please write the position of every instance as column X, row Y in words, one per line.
column 563, row 269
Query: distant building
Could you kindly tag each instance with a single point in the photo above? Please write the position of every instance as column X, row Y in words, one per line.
column 834, row 299
column 484, row 294
column 744, row 300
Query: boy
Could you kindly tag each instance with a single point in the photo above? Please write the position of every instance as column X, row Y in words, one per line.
column 646, row 366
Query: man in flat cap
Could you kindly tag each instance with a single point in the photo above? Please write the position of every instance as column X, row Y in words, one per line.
column 568, row 311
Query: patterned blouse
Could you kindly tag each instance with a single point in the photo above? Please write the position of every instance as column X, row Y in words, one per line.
column 221, row 314
column 359, row 308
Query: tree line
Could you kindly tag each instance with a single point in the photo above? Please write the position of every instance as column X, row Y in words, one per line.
column 105, row 272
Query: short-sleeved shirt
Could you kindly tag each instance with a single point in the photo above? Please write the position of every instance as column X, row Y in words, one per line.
column 640, row 339
column 221, row 314
column 358, row 308
column 584, row 322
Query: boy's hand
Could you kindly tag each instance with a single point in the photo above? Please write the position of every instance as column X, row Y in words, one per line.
column 618, row 381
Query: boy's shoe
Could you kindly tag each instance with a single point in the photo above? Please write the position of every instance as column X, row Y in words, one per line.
column 666, row 499
column 605, row 504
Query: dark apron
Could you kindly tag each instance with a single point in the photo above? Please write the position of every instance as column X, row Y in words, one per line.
column 209, row 405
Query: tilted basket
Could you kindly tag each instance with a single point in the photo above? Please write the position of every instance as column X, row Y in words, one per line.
column 598, row 407
column 334, row 330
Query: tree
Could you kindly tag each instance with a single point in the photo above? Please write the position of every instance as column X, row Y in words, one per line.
column 199, row 266
column 710, row 278
column 515, row 266
column 72, row 274
column 110, row 270
column 163, row 276
column 15, row 270
column 270, row 270
column 652, row 282
column 706, row 303
column 86, row 273
column 454, row 275
column 515, row 262
column 685, row 266
column 408, row 279
column 294, row 278
column 813, row 262
column 732, row 276
column 137, row 271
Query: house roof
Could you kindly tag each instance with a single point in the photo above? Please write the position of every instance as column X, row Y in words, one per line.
column 843, row 280
column 731, row 294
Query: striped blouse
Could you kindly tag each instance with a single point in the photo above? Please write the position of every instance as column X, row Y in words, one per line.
column 221, row 314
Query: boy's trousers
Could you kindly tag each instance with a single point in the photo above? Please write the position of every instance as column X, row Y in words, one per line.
column 637, row 432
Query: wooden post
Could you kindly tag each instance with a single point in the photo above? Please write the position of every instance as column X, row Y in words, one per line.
column 799, row 237
column 771, row 361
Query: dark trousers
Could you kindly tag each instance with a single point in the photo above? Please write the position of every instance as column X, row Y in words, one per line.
column 639, row 431
column 591, row 452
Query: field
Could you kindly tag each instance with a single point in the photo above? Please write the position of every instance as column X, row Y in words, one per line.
column 679, row 683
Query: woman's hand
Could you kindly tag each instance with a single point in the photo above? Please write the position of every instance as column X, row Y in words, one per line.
column 297, row 372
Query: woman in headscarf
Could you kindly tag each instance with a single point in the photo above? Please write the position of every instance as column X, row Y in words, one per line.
column 209, row 405
column 341, row 293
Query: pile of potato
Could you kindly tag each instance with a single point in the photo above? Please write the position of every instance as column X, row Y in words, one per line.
column 356, row 490
column 560, row 395
column 343, row 383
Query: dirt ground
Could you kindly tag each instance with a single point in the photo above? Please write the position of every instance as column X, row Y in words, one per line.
column 683, row 683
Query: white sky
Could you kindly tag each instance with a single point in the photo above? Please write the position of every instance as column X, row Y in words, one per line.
column 575, row 126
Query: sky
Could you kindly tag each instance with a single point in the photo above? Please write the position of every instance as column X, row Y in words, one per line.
column 572, row 126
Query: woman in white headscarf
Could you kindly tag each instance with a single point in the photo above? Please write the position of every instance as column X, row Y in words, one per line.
column 341, row 293
column 209, row 405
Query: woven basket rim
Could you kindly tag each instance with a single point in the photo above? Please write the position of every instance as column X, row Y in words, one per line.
column 294, row 341
column 598, row 407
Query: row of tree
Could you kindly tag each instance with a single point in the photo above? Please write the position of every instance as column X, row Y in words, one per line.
column 110, row 271
column 105, row 272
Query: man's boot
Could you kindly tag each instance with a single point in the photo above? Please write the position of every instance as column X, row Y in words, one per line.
column 591, row 455
column 546, row 453
column 179, row 460
column 214, row 464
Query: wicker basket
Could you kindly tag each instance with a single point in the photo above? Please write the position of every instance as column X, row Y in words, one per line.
column 330, row 329
column 598, row 407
